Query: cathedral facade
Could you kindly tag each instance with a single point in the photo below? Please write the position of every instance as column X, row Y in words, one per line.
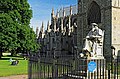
column 70, row 25
column 60, row 38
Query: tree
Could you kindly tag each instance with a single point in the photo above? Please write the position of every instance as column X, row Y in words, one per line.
column 8, row 35
column 15, row 32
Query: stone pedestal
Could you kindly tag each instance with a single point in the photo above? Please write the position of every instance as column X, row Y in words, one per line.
column 82, row 68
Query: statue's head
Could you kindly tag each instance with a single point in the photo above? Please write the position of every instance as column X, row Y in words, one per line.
column 94, row 26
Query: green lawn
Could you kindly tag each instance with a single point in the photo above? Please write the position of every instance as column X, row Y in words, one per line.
column 6, row 69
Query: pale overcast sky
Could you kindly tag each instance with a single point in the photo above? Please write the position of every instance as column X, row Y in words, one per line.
column 42, row 10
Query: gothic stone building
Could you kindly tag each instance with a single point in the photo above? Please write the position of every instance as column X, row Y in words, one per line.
column 70, row 25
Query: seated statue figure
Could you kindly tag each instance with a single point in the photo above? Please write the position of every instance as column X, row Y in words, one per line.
column 94, row 41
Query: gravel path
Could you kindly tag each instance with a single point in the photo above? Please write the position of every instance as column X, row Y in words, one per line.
column 15, row 77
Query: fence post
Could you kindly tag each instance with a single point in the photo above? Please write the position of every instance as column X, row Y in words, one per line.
column 109, row 68
column 29, row 68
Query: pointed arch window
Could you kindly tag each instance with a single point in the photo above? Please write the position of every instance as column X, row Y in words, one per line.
column 94, row 13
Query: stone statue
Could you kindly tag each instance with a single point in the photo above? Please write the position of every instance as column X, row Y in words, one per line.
column 94, row 41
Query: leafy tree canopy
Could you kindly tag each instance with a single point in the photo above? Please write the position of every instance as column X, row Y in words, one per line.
column 15, row 32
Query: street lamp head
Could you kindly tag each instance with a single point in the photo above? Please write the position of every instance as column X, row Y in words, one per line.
column 112, row 47
column 54, row 48
column 75, row 47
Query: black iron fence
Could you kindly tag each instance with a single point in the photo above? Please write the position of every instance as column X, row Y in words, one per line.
column 69, row 67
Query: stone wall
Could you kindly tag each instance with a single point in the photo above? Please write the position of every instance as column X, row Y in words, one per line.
column 65, row 41
column 116, row 25
column 106, row 22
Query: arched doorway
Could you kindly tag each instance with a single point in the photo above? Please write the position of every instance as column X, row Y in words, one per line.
column 94, row 13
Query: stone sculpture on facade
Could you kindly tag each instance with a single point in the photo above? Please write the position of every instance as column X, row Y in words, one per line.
column 94, row 41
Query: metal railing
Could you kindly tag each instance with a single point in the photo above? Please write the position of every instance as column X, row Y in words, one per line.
column 69, row 67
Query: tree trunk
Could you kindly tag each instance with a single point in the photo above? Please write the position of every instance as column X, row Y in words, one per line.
column 13, row 53
column 0, row 55
column 0, row 52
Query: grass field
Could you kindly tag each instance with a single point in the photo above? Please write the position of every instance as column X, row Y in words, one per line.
column 6, row 69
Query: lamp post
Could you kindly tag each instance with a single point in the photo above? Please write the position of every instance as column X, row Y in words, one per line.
column 113, row 50
column 75, row 47
column 54, row 53
column 112, row 56
column 54, row 67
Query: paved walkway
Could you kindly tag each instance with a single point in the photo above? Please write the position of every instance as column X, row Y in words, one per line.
column 15, row 77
